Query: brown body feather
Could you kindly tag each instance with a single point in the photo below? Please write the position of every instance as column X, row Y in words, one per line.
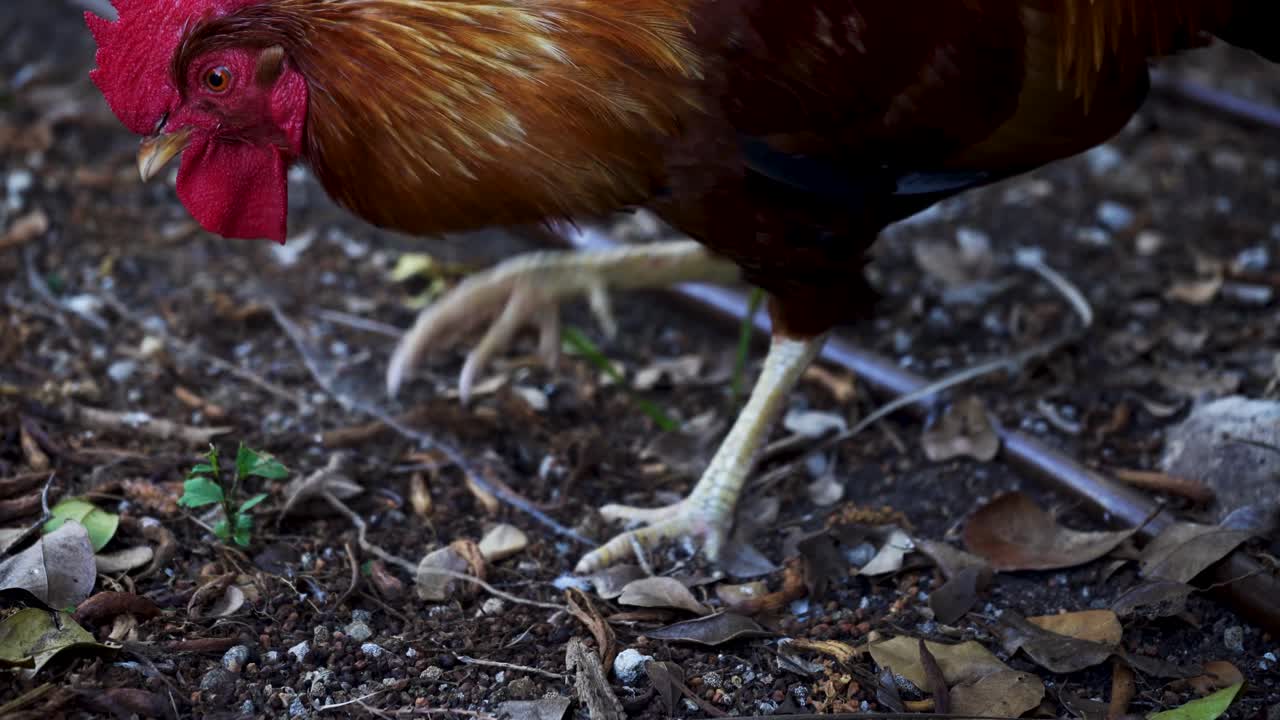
column 440, row 115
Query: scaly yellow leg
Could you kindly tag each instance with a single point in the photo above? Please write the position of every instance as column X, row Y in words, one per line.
column 528, row 289
column 708, row 511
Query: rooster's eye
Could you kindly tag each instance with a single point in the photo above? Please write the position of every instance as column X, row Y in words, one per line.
column 218, row 80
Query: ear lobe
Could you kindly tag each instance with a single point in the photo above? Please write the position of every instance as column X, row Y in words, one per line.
column 270, row 66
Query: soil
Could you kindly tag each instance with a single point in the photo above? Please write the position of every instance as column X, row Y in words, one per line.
column 188, row 327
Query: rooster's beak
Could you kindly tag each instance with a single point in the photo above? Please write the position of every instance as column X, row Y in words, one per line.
column 158, row 150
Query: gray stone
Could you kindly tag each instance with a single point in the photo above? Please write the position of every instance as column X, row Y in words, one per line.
column 235, row 658
column 300, row 651
column 629, row 666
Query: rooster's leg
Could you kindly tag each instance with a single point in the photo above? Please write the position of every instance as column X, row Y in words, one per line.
column 708, row 511
column 528, row 290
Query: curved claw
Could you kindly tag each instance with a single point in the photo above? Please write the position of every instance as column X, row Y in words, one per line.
column 683, row 519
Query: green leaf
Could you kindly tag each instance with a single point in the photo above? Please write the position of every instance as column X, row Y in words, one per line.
column 244, row 528
column 247, row 504
column 200, row 491
column 223, row 530
column 1209, row 707
column 30, row 638
column 250, row 462
column 100, row 524
column 203, row 468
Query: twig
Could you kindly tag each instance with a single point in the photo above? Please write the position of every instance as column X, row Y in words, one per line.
column 510, row 666
column 491, row 589
column 362, row 539
column 1192, row 490
column 140, row 423
column 454, row 456
column 358, row 323
column 34, row 528
column 355, row 575
column 187, row 347
column 362, row 529
column 360, row 700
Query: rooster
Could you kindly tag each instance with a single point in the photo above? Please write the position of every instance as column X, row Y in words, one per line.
column 781, row 135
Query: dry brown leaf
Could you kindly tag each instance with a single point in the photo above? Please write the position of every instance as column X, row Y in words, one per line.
column 1100, row 626
column 841, row 652
column 1218, row 674
column 966, row 662
column 1013, row 533
column 1184, row 550
column 661, row 592
column 1006, row 693
column 962, row 430
column 1123, row 688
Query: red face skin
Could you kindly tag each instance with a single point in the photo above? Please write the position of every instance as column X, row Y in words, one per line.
column 238, row 134
column 244, row 136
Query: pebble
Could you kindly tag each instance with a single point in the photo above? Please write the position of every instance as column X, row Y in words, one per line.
column 1254, row 259
column 1103, row 159
column 712, row 680
column 363, row 616
column 247, row 709
column 1248, row 294
column 297, row 708
column 271, row 656
column 217, row 681
column 1233, row 638
column 121, row 370
column 358, row 630
column 320, row 635
column 432, row 673
column 1115, row 216
column 300, row 651
column 1094, row 236
column 235, row 658
column 1149, row 242
column 373, row 650
column 493, row 607
column 629, row 666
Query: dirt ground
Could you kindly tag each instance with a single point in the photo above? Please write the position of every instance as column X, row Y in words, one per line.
column 123, row 305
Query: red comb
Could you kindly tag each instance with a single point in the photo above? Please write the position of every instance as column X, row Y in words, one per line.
column 135, row 51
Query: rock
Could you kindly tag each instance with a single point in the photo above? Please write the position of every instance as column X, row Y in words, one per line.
column 217, row 682
column 1206, row 446
column 297, row 708
column 493, row 607
column 122, row 370
column 502, row 542
column 522, row 688
column 235, row 658
column 358, row 630
column 629, row 666
column 1233, row 639
column 1115, row 217
column 373, row 650
column 300, row 651
column 363, row 616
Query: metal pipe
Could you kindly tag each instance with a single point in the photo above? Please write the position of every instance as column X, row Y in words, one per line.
column 1243, row 583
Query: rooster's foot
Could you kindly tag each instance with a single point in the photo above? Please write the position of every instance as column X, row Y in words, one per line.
column 527, row 290
column 707, row 513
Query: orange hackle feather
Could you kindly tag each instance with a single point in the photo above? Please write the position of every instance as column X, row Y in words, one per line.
column 429, row 115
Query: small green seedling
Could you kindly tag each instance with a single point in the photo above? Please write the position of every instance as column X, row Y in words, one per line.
column 204, row 486
column 579, row 343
